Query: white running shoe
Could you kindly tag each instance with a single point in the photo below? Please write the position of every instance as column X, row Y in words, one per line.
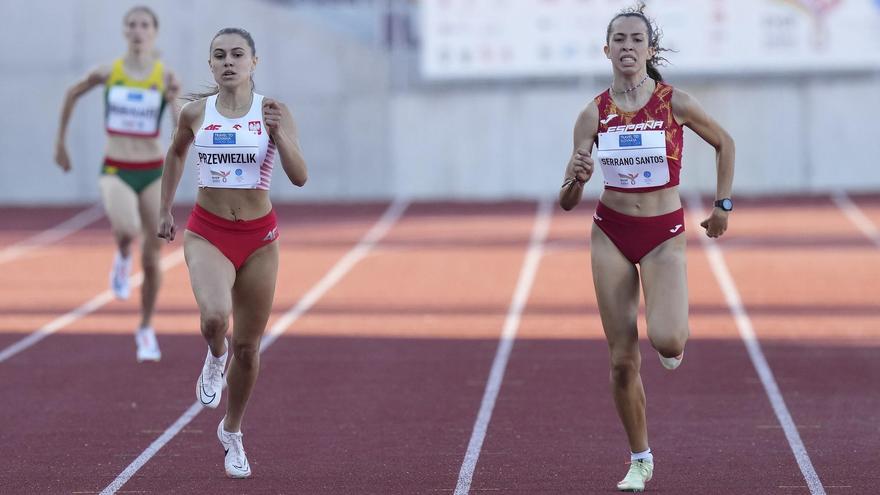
column 210, row 384
column 236, row 462
column 673, row 362
column 147, row 345
column 119, row 276
column 640, row 472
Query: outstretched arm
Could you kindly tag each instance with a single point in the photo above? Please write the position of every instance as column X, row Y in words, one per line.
column 94, row 78
column 174, row 163
column 690, row 113
column 580, row 165
column 282, row 130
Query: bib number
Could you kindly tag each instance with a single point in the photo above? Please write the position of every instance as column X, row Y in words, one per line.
column 133, row 111
column 633, row 159
column 230, row 167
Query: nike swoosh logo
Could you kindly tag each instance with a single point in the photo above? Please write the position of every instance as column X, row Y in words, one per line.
column 675, row 229
column 205, row 394
column 608, row 118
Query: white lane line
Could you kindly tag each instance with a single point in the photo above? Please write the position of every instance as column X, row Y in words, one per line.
column 93, row 304
column 753, row 347
column 505, row 345
column 54, row 234
column 855, row 215
column 367, row 243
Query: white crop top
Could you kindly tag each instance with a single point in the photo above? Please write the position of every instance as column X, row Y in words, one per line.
column 234, row 153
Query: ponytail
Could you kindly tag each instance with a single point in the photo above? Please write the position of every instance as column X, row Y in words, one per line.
column 653, row 73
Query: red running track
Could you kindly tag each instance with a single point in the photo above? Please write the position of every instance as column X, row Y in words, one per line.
column 376, row 388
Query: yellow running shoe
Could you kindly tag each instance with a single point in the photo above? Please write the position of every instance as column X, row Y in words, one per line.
column 673, row 362
column 639, row 473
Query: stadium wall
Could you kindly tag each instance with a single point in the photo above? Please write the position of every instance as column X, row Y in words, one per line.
column 368, row 136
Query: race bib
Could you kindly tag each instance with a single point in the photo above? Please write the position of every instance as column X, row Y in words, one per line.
column 229, row 161
column 133, row 111
column 633, row 159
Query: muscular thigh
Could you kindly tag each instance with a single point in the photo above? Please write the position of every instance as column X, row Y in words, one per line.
column 210, row 273
column 120, row 204
column 253, row 293
column 617, row 291
column 664, row 281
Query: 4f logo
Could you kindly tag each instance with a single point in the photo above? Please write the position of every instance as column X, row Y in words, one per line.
column 256, row 127
column 272, row 235
column 213, row 127
column 631, row 178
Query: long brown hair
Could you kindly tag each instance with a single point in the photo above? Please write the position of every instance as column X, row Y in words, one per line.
column 654, row 35
column 216, row 89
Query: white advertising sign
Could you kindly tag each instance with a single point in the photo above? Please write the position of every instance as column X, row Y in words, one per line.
column 547, row 38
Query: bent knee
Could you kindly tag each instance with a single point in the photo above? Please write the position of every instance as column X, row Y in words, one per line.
column 125, row 234
column 214, row 322
column 150, row 261
column 246, row 353
column 625, row 368
column 669, row 343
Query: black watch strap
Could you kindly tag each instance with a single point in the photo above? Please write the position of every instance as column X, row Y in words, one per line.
column 725, row 204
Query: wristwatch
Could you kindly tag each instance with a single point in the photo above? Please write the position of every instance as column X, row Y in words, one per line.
column 725, row 204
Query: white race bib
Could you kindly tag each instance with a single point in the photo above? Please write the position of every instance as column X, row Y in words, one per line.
column 228, row 160
column 133, row 111
column 633, row 159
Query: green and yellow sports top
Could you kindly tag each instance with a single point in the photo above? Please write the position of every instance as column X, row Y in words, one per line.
column 134, row 107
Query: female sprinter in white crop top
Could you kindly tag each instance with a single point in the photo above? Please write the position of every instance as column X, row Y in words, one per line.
column 230, row 243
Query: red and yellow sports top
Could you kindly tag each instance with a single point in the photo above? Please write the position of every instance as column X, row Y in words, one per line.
column 639, row 151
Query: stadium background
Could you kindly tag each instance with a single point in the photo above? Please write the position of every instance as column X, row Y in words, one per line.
column 795, row 83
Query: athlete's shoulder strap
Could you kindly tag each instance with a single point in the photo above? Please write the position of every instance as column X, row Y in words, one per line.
column 117, row 72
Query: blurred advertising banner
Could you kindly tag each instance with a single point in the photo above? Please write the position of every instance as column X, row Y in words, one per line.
column 550, row 38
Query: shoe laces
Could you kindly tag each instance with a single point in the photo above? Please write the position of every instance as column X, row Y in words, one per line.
column 236, row 448
column 637, row 468
column 147, row 336
column 119, row 278
column 121, row 268
column 215, row 371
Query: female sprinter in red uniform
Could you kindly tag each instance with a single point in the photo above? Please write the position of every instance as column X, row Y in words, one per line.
column 229, row 241
column 137, row 89
column 637, row 127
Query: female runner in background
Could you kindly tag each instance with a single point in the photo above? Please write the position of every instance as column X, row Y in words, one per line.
column 138, row 88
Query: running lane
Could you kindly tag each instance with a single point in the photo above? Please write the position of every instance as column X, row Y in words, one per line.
column 555, row 429
column 20, row 224
column 376, row 388
column 815, row 308
column 42, row 283
column 83, row 406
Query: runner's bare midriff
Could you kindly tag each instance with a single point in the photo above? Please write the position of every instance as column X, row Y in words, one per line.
column 645, row 204
column 133, row 149
column 235, row 204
